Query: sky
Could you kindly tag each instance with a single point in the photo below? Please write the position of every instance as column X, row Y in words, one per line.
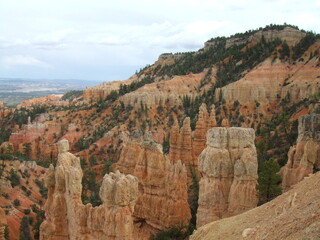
column 105, row 40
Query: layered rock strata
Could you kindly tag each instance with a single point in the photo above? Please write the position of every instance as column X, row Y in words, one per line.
column 293, row 215
column 228, row 168
column 68, row 218
column 273, row 80
column 304, row 157
column 162, row 200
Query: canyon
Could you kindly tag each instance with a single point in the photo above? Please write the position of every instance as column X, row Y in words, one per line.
column 178, row 146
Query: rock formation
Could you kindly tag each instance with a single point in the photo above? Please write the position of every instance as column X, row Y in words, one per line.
column 204, row 123
column 50, row 100
column 169, row 92
column 181, row 143
column 68, row 218
column 304, row 157
column 291, row 35
column 293, row 215
column 162, row 201
column 228, row 166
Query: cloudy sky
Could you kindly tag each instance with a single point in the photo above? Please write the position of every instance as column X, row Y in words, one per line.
column 109, row 40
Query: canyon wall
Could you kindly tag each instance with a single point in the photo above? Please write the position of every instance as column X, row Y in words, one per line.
column 304, row 157
column 68, row 218
column 162, row 200
column 228, row 168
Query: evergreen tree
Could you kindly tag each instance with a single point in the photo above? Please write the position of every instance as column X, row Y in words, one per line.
column 27, row 150
column 25, row 229
column 6, row 233
column 269, row 181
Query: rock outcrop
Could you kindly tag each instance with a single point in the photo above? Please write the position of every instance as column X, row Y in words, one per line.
column 181, row 143
column 293, row 215
column 104, row 89
column 50, row 100
column 68, row 218
column 228, row 166
column 169, row 92
column 204, row 123
column 304, row 157
column 162, row 201
column 289, row 34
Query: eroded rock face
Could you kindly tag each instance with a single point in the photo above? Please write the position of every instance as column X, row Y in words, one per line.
column 68, row 218
column 228, row 166
column 162, row 201
column 304, row 157
column 204, row 123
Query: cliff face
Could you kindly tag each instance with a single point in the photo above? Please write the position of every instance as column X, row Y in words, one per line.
column 68, row 218
column 228, row 168
column 293, row 215
column 104, row 89
column 272, row 81
column 304, row 157
column 165, row 92
column 40, row 135
column 50, row 100
column 291, row 35
column 162, row 200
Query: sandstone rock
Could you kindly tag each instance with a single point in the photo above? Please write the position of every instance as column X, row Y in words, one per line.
column 204, row 123
column 228, row 166
column 68, row 218
column 162, row 201
column 181, row 143
column 104, row 89
column 50, row 100
column 293, row 215
column 169, row 92
column 304, row 157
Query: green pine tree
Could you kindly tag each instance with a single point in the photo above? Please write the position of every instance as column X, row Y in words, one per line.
column 269, row 181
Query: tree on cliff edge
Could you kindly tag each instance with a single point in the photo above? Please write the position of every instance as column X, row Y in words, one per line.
column 268, row 181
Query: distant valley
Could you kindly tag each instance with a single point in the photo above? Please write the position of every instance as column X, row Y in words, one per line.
column 15, row 90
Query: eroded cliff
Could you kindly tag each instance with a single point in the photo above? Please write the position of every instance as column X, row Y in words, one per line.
column 228, row 168
column 304, row 157
column 162, row 199
column 68, row 218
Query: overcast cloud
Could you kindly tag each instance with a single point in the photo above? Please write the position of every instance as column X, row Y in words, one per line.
column 108, row 40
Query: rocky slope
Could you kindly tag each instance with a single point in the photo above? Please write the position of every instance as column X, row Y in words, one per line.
column 228, row 168
column 22, row 193
column 68, row 218
column 293, row 215
column 272, row 81
column 304, row 157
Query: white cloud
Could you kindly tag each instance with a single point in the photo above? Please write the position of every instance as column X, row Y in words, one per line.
column 23, row 60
